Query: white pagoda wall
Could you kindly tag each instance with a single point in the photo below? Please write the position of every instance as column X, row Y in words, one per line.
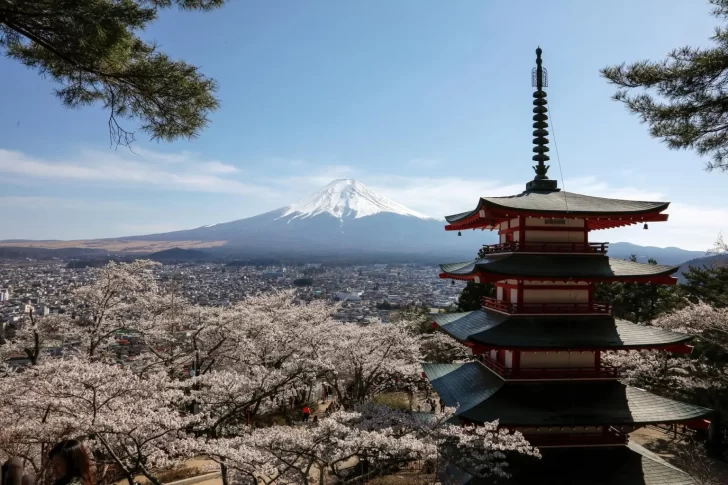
column 554, row 236
column 541, row 222
column 556, row 296
column 557, row 359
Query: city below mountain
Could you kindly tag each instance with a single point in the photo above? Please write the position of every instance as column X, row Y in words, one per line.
column 345, row 221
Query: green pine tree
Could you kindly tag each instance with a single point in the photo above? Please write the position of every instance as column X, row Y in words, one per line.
column 472, row 295
column 91, row 49
column 638, row 302
column 682, row 98
column 709, row 285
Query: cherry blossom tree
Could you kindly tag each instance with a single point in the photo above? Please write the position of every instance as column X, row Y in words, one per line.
column 440, row 347
column 700, row 378
column 130, row 422
column 366, row 441
column 363, row 361
column 208, row 378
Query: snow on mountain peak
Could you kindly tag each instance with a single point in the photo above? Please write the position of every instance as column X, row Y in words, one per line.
column 347, row 198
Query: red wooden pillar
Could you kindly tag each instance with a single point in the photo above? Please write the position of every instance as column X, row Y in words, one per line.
column 519, row 291
column 590, row 297
column 516, row 362
column 522, row 233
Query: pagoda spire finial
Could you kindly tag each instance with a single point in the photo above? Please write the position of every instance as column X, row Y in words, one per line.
column 539, row 80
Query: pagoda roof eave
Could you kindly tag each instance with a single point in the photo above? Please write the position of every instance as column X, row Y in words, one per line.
column 482, row 396
column 489, row 329
column 492, row 210
column 492, row 278
column 557, row 268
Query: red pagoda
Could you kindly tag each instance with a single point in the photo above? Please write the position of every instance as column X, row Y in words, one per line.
column 539, row 342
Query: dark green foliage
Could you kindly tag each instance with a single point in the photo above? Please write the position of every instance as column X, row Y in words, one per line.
column 685, row 104
column 638, row 302
column 91, row 49
column 472, row 295
column 709, row 285
column 303, row 282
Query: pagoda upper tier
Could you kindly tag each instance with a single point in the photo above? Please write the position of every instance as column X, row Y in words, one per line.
column 599, row 212
column 560, row 267
column 485, row 330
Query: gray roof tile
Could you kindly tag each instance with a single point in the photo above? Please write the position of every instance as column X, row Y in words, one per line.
column 556, row 266
column 560, row 202
column 621, row 465
column 482, row 396
column 563, row 332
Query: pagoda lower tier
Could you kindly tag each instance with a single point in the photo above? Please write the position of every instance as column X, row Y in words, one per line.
column 621, row 465
column 557, row 267
column 533, row 407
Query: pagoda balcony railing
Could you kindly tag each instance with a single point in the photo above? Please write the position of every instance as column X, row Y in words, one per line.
column 546, row 247
column 600, row 372
column 545, row 308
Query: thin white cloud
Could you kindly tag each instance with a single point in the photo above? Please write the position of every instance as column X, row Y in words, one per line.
column 143, row 168
column 218, row 167
column 45, row 203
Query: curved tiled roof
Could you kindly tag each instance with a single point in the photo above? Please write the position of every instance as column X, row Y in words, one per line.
column 620, row 465
column 562, row 202
column 556, row 266
column 481, row 396
column 563, row 332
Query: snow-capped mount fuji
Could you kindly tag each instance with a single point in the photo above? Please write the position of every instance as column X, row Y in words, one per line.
column 343, row 220
column 346, row 198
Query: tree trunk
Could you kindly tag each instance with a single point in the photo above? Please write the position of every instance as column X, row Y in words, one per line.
column 715, row 434
column 224, row 474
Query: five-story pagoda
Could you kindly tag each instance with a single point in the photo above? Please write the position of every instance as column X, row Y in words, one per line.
column 539, row 342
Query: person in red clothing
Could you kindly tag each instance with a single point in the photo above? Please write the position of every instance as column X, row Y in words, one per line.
column 306, row 413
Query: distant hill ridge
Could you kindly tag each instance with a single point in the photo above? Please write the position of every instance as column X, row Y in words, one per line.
column 345, row 221
column 711, row 261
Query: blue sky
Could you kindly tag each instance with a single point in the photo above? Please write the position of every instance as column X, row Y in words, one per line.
column 427, row 102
